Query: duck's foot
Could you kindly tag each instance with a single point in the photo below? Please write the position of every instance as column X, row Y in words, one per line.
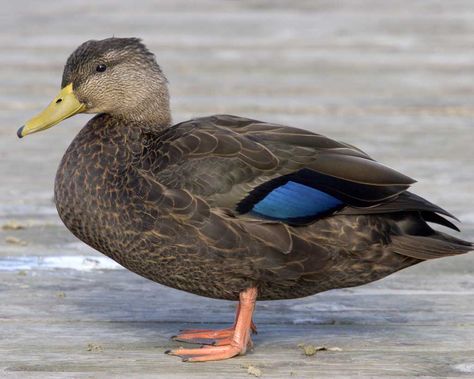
column 208, row 353
column 213, row 337
column 228, row 342
column 206, row 336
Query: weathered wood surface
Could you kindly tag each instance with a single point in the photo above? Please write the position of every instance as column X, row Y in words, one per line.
column 394, row 78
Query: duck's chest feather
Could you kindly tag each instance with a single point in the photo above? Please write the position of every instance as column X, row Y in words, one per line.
column 96, row 185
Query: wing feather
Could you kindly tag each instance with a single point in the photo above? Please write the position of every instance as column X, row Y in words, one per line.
column 234, row 162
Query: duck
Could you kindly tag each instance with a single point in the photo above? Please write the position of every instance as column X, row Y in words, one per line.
column 223, row 206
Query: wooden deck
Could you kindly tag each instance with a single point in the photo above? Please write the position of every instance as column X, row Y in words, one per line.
column 394, row 78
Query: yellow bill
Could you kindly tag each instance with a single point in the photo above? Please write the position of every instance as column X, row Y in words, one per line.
column 62, row 107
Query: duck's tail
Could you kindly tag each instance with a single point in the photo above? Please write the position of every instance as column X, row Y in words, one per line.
column 436, row 245
column 413, row 236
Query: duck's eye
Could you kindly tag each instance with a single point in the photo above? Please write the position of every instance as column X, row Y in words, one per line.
column 101, row 68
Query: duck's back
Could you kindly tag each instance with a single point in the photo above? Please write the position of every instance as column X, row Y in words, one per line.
column 244, row 202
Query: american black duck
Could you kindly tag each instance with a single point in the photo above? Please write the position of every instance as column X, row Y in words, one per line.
column 225, row 206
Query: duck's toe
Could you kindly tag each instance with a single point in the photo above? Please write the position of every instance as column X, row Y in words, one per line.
column 208, row 353
column 205, row 336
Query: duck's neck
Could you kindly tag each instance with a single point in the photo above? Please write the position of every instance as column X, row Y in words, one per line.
column 150, row 111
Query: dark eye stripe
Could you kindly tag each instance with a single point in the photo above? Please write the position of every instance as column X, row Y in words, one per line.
column 101, row 68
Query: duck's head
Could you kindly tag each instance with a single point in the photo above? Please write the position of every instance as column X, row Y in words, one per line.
column 117, row 76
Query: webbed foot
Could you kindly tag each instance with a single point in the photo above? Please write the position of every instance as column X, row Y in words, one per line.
column 226, row 343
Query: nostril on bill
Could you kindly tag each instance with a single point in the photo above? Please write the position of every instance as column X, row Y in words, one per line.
column 58, row 101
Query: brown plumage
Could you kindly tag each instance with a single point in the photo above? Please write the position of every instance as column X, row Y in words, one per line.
column 203, row 206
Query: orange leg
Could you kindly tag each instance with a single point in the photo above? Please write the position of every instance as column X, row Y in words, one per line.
column 230, row 342
column 211, row 336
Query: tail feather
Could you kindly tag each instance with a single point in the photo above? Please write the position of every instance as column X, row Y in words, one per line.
column 437, row 245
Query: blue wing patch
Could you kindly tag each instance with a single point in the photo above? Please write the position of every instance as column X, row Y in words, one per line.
column 295, row 201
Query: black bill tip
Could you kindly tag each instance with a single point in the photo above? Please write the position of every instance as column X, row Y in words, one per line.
column 20, row 131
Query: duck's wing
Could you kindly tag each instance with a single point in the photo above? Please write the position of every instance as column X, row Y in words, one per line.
column 407, row 202
column 277, row 172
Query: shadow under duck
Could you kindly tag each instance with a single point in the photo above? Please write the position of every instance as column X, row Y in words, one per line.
column 225, row 206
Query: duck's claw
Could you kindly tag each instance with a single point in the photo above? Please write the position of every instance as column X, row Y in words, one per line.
column 253, row 328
